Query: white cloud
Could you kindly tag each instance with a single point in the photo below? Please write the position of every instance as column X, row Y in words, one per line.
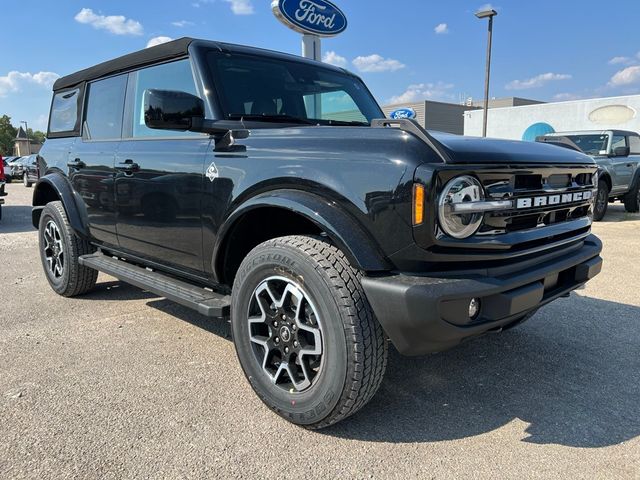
column 182, row 23
column 441, row 28
column 620, row 61
column 424, row 91
column 158, row 40
column 626, row 76
column 377, row 63
column 537, row 81
column 241, row 7
column 563, row 97
column 14, row 81
column 486, row 6
column 116, row 24
column 333, row 58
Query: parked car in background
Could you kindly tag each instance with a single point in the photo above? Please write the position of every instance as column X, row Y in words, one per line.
column 2, row 182
column 26, row 168
column 8, row 167
column 617, row 153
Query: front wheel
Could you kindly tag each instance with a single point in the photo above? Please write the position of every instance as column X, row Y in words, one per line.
column 632, row 199
column 304, row 332
column 602, row 201
column 60, row 249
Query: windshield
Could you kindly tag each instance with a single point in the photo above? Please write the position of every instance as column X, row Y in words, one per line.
column 591, row 144
column 260, row 88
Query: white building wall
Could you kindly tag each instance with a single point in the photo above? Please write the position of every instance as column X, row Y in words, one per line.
column 592, row 114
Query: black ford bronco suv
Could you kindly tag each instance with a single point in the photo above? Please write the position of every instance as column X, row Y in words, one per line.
column 268, row 189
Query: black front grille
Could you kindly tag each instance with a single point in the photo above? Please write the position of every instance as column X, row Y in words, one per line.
column 532, row 185
column 544, row 219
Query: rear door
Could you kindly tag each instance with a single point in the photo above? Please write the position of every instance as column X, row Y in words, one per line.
column 159, row 177
column 621, row 166
column 91, row 159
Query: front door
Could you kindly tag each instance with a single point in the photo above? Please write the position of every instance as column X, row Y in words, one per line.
column 91, row 158
column 159, row 178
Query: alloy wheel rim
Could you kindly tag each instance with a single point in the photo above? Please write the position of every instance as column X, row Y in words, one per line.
column 53, row 249
column 285, row 332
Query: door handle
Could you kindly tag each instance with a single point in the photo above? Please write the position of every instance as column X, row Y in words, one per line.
column 76, row 164
column 128, row 166
column 629, row 164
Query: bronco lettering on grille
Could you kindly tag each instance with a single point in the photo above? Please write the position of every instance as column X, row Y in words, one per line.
column 544, row 200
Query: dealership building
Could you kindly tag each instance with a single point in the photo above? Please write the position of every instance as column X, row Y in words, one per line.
column 528, row 121
column 524, row 119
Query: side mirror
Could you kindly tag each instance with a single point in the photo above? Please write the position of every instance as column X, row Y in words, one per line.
column 621, row 151
column 172, row 110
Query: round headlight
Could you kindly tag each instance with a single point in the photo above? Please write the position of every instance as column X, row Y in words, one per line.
column 459, row 190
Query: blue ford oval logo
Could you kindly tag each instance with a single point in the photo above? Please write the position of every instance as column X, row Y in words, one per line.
column 406, row 112
column 316, row 17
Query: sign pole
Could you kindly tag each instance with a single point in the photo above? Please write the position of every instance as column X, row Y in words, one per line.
column 311, row 48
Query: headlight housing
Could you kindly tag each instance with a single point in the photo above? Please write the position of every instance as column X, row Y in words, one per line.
column 462, row 189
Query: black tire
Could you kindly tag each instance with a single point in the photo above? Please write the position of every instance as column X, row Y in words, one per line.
column 632, row 199
column 71, row 278
column 25, row 180
column 602, row 201
column 353, row 345
column 8, row 178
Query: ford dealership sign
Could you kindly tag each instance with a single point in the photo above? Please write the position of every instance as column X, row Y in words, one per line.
column 314, row 17
column 406, row 112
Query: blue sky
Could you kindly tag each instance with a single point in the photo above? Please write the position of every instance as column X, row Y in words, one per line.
column 404, row 50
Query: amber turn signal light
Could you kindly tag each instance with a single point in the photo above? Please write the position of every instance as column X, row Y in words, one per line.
column 418, row 204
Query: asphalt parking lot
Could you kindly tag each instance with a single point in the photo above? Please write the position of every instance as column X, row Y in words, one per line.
column 122, row 384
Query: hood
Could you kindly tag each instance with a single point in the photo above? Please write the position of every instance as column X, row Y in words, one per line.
column 475, row 150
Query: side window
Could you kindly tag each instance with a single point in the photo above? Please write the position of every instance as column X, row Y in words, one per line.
column 105, row 104
column 618, row 141
column 64, row 111
column 634, row 144
column 337, row 105
column 168, row 76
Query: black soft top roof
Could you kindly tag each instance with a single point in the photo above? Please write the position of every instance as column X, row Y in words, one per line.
column 164, row 51
column 167, row 51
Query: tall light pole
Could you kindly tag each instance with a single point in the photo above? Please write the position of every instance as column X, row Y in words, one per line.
column 487, row 14
column 26, row 132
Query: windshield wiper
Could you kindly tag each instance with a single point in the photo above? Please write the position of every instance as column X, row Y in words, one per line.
column 280, row 118
column 355, row 123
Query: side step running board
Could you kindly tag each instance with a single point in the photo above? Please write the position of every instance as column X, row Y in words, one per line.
column 207, row 303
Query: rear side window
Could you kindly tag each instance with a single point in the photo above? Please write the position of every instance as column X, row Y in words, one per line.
column 634, row 144
column 64, row 112
column 168, row 76
column 105, row 104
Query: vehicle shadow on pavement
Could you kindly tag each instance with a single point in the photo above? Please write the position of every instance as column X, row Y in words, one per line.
column 616, row 213
column 217, row 326
column 16, row 219
column 572, row 373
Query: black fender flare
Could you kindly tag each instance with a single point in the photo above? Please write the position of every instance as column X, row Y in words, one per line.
column 341, row 227
column 72, row 203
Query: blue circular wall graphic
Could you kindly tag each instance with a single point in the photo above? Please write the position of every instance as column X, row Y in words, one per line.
column 536, row 130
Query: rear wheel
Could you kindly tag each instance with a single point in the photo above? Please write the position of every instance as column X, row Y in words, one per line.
column 602, row 201
column 60, row 248
column 25, row 180
column 304, row 332
column 632, row 199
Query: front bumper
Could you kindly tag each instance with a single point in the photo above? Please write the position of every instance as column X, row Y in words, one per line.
column 430, row 314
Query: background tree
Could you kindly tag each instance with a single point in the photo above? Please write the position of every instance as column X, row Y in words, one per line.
column 7, row 136
column 36, row 135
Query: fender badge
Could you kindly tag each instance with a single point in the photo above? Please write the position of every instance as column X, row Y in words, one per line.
column 212, row 172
